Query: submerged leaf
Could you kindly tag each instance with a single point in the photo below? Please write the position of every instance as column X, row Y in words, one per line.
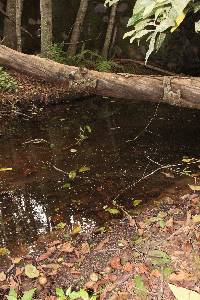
column 76, row 229
column 5, row 169
column 72, row 174
column 84, row 169
column 136, row 202
column 4, row 251
column 194, row 187
column 112, row 211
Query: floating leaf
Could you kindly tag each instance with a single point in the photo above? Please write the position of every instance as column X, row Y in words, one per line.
column 194, row 187
column 184, row 294
column 136, row 202
column 31, row 271
column 5, row 169
column 4, row 251
column 28, row 295
column 159, row 258
column 67, row 185
column 72, row 174
column 140, row 289
column 76, row 230
column 112, row 211
column 84, row 169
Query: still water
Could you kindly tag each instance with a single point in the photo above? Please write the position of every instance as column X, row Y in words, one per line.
column 125, row 139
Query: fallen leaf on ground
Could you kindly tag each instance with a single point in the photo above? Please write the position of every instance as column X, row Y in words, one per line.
column 194, row 187
column 47, row 254
column 31, row 271
column 115, row 262
column 180, row 276
column 19, row 271
column 2, row 276
column 183, row 293
column 187, row 248
column 128, row 267
column 101, row 245
column 85, row 248
column 67, row 247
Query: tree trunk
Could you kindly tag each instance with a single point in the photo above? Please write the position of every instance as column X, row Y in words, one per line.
column 19, row 8
column 46, row 26
column 10, row 37
column 108, row 37
column 178, row 91
column 77, row 28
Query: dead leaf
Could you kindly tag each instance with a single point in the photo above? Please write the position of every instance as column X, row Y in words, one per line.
column 155, row 273
column 194, row 187
column 128, row 267
column 47, row 254
column 180, row 276
column 67, row 247
column 19, row 271
column 2, row 276
column 187, row 248
column 85, row 248
column 169, row 223
column 16, row 260
column 101, row 245
column 115, row 262
column 184, row 294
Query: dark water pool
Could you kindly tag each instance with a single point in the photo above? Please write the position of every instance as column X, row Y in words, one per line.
column 35, row 194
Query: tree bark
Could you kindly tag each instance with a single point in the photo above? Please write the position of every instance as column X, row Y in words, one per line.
column 46, row 26
column 108, row 37
column 19, row 8
column 174, row 90
column 10, row 37
column 77, row 28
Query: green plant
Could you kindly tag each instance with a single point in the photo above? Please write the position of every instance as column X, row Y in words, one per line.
column 69, row 294
column 153, row 19
column 7, row 82
column 28, row 295
column 56, row 53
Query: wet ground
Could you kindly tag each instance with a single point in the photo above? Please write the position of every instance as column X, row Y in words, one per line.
column 127, row 141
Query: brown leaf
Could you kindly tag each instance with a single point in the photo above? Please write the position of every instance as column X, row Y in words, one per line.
column 2, row 276
column 47, row 254
column 101, row 245
column 121, row 296
column 142, row 268
column 85, row 248
column 180, row 276
column 155, row 273
column 19, row 271
column 67, row 247
column 128, row 267
column 169, row 223
column 13, row 284
column 16, row 260
column 55, row 243
column 115, row 262
column 187, row 248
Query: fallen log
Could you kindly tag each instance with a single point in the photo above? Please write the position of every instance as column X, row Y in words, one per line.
column 174, row 90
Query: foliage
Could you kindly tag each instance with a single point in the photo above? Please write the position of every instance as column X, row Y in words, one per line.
column 69, row 294
column 57, row 53
column 28, row 295
column 7, row 82
column 152, row 19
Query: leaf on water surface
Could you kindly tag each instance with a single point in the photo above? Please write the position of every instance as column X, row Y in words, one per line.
column 5, row 169
column 28, row 295
column 61, row 225
column 112, row 211
column 136, row 202
column 31, row 271
column 140, row 288
column 72, row 175
column 159, row 258
column 67, row 185
column 84, row 169
column 196, row 218
column 4, row 251
column 194, row 187
column 76, row 230
column 183, row 293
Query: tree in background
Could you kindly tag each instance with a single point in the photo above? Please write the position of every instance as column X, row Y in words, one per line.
column 10, row 36
column 109, row 32
column 77, row 28
column 19, row 9
column 46, row 26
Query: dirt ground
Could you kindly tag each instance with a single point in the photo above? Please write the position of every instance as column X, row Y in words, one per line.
column 135, row 258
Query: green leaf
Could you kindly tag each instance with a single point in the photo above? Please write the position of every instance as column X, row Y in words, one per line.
column 12, row 295
column 67, row 185
column 167, row 272
column 84, row 169
column 28, row 295
column 159, row 258
column 196, row 219
column 60, row 294
column 183, row 294
column 5, row 169
column 112, row 211
column 140, row 288
column 31, row 271
column 136, row 202
column 72, row 175
column 61, row 225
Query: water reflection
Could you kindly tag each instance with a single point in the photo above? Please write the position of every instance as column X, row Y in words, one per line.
column 34, row 197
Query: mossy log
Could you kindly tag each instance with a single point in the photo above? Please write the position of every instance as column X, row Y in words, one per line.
column 174, row 90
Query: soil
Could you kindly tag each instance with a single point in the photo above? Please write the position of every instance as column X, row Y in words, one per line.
column 135, row 258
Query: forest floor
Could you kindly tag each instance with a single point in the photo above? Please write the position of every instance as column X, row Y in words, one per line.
column 140, row 257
